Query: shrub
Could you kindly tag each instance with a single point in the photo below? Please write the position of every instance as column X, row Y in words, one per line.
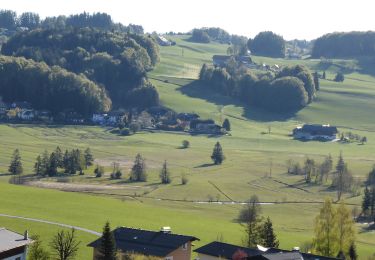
column 99, row 171
column 185, row 144
column 184, row 179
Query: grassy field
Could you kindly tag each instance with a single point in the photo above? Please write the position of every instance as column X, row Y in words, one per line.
column 250, row 155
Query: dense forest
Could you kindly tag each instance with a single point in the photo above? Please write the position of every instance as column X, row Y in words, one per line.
column 11, row 21
column 267, row 44
column 50, row 88
column 116, row 61
column 339, row 45
column 288, row 91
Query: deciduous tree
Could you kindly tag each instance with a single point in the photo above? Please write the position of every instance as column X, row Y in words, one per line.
column 65, row 245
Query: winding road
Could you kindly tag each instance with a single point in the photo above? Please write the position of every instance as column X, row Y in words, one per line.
column 52, row 223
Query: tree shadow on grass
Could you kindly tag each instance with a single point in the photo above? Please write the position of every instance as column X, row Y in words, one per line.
column 197, row 89
column 205, row 165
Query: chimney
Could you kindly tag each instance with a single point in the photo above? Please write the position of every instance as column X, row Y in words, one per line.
column 166, row 230
column 26, row 235
column 295, row 249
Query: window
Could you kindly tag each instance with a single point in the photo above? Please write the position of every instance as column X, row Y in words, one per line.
column 18, row 258
column 169, row 258
column 185, row 246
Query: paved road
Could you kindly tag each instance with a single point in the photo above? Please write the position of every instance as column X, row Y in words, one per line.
column 53, row 223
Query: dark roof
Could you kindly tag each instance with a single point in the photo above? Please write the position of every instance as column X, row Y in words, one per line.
column 225, row 250
column 154, row 243
column 283, row 256
column 187, row 116
column 318, row 129
column 10, row 240
column 307, row 256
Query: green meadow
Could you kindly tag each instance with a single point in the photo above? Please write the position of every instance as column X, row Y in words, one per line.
column 255, row 160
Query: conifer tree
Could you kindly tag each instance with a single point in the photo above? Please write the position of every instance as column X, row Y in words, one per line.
column 340, row 171
column 44, row 164
column 164, row 174
column 226, row 124
column 108, row 244
column 366, row 203
column 59, row 157
column 324, row 75
column 89, row 158
column 15, row 166
column 217, row 154
column 268, row 235
column 138, row 172
column 38, row 166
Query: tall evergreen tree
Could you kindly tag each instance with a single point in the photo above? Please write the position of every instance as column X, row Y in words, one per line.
column 66, row 161
column 226, row 124
column 52, row 165
column 164, row 174
column 217, row 154
column 44, row 163
column 15, row 166
column 268, row 235
column 89, row 158
column 366, row 202
column 107, row 248
column 340, row 171
column 38, row 166
column 325, row 231
column 138, row 172
column 59, row 157
column 324, row 75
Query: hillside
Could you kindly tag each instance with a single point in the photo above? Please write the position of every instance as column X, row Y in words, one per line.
column 255, row 160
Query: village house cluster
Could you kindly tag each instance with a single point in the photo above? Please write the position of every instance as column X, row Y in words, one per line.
column 162, row 244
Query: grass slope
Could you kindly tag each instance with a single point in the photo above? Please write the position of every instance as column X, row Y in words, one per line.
column 249, row 151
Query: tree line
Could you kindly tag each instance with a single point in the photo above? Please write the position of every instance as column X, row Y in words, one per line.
column 266, row 43
column 115, row 61
column 286, row 91
column 70, row 162
column 51, row 88
column 343, row 45
column 11, row 21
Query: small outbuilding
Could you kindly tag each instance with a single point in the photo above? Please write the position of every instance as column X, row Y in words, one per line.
column 13, row 246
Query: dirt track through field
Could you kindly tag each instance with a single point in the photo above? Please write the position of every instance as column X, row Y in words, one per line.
column 52, row 223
